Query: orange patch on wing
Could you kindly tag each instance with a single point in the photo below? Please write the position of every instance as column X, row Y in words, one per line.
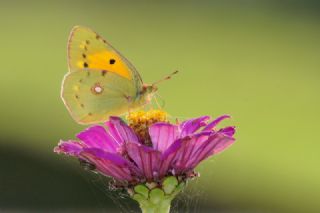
column 108, row 61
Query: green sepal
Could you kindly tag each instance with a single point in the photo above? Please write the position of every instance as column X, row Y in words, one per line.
column 143, row 190
column 169, row 184
column 178, row 189
column 141, row 200
column 156, row 197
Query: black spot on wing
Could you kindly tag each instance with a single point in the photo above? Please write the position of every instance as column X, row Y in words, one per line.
column 103, row 72
column 112, row 61
column 99, row 38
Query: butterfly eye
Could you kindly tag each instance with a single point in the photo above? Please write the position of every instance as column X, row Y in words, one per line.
column 97, row 89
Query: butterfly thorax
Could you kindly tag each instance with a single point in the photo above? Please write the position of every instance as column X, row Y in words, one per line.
column 146, row 93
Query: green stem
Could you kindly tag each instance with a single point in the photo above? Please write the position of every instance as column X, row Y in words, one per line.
column 163, row 207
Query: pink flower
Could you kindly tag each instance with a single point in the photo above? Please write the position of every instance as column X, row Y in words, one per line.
column 118, row 151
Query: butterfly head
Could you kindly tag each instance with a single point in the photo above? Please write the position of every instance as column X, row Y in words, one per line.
column 148, row 91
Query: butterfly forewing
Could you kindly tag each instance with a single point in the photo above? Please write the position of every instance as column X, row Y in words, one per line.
column 87, row 49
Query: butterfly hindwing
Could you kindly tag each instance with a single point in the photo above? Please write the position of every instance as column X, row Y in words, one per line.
column 93, row 95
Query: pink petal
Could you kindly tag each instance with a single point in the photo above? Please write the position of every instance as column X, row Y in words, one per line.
column 191, row 126
column 221, row 145
column 190, row 145
column 120, row 131
column 98, row 137
column 215, row 144
column 146, row 158
column 72, row 148
column 163, row 135
column 168, row 156
column 215, row 122
column 109, row 164
column 230, row 130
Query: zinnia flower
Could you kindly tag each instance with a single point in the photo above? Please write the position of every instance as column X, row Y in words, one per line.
column 149, row 156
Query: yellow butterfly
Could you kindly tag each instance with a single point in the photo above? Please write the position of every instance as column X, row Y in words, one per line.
column 100, row 82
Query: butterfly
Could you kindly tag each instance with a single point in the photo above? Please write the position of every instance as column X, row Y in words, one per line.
column 100, row 82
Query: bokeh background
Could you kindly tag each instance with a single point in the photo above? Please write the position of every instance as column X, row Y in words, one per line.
column 258, row 61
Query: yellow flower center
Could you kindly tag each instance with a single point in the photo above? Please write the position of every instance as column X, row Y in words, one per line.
column 140, row 121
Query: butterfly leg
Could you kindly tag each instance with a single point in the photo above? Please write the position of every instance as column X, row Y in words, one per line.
column 148, row 106
column 129, row 99
column 157, row 103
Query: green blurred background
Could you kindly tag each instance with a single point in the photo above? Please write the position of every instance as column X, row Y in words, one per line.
column 258, row 61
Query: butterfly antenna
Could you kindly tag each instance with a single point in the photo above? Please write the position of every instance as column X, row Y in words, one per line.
column 165, row 78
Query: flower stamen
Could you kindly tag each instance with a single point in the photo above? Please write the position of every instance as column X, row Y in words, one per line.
column 140, row 121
